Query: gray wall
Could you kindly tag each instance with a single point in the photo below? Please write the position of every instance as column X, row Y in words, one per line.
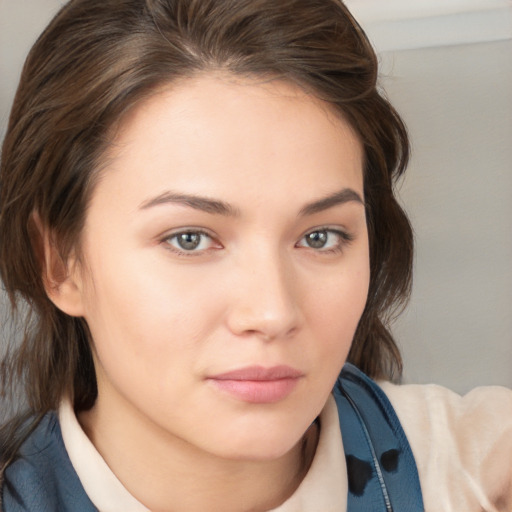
column 21, row 21
column 455, row 97
column 457, row 102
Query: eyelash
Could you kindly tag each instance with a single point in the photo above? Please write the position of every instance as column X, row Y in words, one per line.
column 345, row 238
column 181, row 251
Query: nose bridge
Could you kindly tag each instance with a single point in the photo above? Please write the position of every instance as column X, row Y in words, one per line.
column 265, row 302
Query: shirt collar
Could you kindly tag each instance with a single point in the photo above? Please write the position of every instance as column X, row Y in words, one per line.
column 325, row 486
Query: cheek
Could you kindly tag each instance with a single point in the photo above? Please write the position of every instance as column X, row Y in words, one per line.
column 143, row 315
column 333, row 313
column 342, row 306
column 341, row 295
column 145, row 333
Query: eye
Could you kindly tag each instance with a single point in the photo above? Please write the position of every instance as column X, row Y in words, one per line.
column 326, row 240
column 190, row 241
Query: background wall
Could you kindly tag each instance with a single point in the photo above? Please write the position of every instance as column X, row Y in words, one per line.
column 447, row 66
column 458, row 192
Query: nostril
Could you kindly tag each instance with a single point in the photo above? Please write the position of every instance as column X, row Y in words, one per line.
column 263, row 324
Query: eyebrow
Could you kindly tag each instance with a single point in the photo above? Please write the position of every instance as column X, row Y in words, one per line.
column 345, row 195
column 217, row 207
column 204, row 204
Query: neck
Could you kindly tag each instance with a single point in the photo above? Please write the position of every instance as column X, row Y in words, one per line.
column 145, row 459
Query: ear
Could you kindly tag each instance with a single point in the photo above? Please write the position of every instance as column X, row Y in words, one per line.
column 62, row 279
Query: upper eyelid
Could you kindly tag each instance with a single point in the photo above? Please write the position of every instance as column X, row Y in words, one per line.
column 200, row 231
column 340, row 231
column 174, row 232
column 332, row 229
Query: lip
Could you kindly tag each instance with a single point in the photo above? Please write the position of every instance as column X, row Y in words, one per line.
column 258, row 384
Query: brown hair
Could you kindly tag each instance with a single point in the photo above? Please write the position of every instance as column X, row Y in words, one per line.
column 97, row 59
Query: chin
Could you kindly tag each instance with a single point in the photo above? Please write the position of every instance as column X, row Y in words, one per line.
column 259, row 445
column 259, row 453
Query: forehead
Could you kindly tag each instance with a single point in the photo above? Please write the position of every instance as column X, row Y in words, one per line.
column 217, row 135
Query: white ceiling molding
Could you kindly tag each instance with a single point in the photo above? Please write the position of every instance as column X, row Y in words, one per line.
column 409, row 24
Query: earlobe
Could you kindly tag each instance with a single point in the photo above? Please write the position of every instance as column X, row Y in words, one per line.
column 64, row 286
column 61, row 277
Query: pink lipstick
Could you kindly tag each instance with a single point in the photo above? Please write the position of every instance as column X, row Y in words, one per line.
column 256, row 384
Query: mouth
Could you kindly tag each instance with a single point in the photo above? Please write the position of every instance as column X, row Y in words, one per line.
column 257, row 384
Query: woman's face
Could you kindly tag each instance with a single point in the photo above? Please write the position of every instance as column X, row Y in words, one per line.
column 225, row 264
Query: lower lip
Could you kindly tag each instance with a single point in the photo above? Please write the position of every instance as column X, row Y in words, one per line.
column 257, row 391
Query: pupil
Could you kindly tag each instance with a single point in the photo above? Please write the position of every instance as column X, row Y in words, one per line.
column 189, row 241
column 317, row 239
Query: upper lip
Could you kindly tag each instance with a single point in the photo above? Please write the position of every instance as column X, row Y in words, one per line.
column 260, row 373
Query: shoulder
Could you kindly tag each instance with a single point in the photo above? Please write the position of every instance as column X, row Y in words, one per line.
column 380, row 464
column 42, row 477
column 462, row 444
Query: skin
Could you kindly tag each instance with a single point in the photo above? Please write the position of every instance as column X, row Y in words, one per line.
column 254, row 291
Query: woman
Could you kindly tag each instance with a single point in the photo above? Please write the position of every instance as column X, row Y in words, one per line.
column 197, row 205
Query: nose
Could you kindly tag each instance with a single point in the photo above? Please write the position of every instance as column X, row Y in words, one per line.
column 265, row 301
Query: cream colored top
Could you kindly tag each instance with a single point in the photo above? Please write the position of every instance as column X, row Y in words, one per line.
column 323, row 489
column 462, row 447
